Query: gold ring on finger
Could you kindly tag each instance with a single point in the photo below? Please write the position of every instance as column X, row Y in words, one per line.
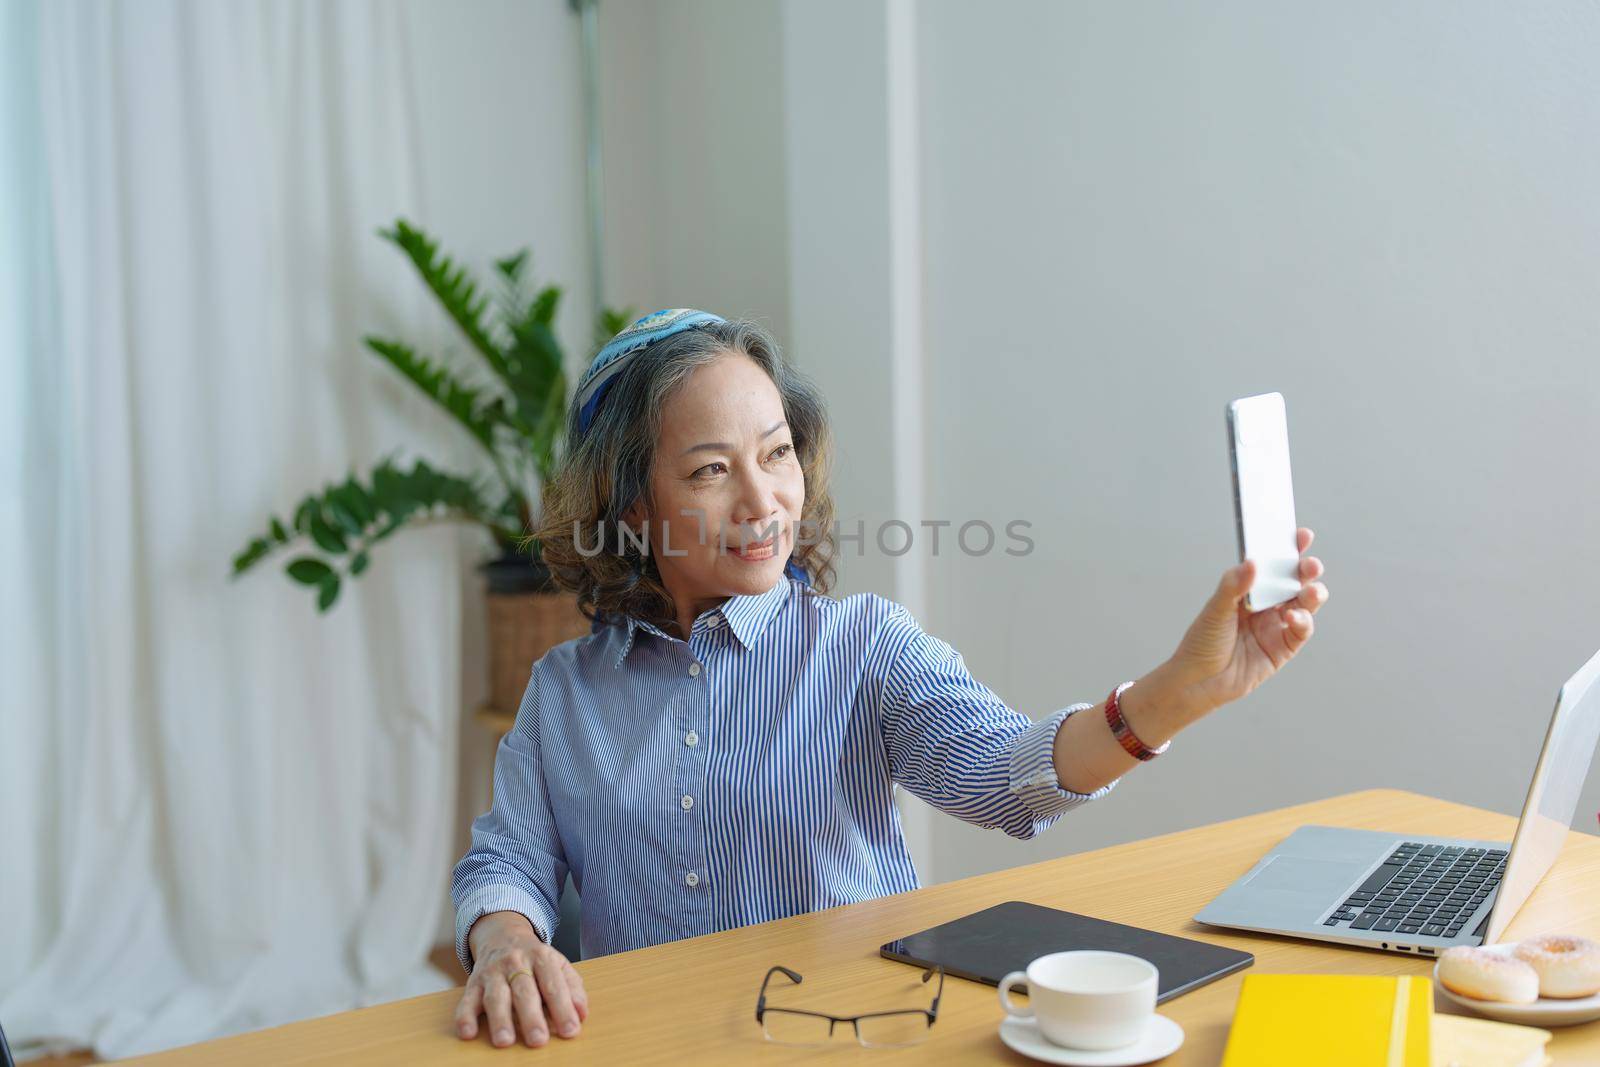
column 512, row 977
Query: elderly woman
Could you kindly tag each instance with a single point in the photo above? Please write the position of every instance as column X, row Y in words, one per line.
column 724, row 748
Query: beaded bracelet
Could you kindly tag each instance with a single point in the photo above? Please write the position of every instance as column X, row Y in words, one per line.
column 1125, row 737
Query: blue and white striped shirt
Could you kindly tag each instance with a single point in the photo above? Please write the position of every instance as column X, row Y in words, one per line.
column 746, row 774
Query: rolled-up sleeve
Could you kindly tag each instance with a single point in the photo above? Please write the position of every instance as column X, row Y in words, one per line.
column 516, row 862
column 951, row 741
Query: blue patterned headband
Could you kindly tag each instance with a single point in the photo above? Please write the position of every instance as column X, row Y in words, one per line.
column 610, row 360
column 613, row 357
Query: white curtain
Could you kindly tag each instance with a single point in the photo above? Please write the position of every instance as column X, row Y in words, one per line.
column 218, row 811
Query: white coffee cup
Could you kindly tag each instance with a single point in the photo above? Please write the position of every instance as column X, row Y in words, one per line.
column 1086, row 1000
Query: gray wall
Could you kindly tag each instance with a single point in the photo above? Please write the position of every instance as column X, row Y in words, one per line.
column 1132, row 214
column 692, row 114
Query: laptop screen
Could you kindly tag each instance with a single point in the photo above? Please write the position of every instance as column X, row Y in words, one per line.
column 1552, row 796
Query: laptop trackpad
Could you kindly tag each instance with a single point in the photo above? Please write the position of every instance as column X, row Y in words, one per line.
column 1298, row 877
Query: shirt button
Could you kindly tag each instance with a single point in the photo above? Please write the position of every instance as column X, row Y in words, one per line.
column 691, row 739
column 694, row 670
column 714, row 622
column 687, row 802
column 691, row 879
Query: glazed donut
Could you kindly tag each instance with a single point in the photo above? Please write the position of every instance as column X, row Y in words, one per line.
column 1485, row 975
column 1567, row 966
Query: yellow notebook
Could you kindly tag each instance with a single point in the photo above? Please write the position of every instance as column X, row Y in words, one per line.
column 1459, row 1041
column 1331, row 1020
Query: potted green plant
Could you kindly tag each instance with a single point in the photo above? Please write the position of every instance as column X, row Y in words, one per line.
column 516, row 413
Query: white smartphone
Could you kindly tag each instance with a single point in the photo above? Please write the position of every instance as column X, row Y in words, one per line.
column 1263, row 497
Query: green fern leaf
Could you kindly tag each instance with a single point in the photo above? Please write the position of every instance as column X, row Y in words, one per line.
column 545, row 305
column 327, row 538
column 536, row 364
column 453, row 287
column 511, row 266
column 309, row 571
column 610, row 322
column 465, row 403
column 358, row 501
column 251, row 555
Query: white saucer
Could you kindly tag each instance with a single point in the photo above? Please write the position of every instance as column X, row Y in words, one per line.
column 1162, row 1037
column 1544, row 1012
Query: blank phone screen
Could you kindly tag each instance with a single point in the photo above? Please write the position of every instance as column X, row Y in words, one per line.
column 1264, row 494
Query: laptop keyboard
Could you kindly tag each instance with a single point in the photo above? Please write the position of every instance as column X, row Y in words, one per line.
column 1430, row 890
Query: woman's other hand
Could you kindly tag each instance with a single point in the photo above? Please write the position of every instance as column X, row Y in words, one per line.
column 522, row 984
column 1229, row 650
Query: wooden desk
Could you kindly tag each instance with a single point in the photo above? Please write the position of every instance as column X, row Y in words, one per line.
column 694, row 1001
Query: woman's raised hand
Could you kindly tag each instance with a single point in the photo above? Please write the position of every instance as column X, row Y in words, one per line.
column 522, row 984
column 1229, row 650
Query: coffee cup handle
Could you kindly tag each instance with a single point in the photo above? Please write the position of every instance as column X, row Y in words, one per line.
column 1013, row 1010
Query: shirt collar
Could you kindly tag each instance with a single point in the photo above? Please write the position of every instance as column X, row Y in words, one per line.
column 747, row 616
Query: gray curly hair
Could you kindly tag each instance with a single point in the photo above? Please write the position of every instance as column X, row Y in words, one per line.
column 606, row 470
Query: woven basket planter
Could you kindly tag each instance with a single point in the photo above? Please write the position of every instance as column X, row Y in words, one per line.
column 526, row 620
column 523, row 627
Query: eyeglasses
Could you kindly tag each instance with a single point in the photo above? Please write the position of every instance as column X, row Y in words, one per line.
column 879, row 1029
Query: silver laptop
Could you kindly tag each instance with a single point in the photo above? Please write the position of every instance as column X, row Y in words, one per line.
column 1410, row 893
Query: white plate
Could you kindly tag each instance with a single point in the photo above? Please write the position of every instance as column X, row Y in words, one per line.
column 1162, row 1037
column 1544, row 1012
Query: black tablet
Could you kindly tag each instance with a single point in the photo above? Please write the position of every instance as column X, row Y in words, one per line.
column 988, row 945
